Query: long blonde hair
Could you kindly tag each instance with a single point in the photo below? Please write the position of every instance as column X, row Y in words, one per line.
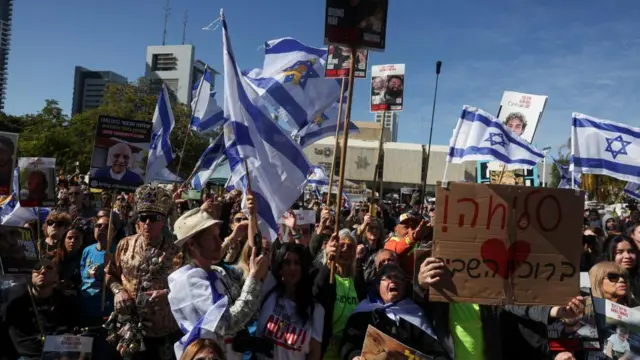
column 599, row 272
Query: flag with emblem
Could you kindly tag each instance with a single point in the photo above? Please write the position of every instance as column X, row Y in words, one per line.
column 324, row 125
column 209, row 161
column 160, row 152
column 605, row 148
column 633, row 190
column 292, row 78
column 565, row 176
column 207, row 115
column 480, row 136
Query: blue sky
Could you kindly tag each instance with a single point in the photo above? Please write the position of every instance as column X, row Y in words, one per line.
column 585, row 55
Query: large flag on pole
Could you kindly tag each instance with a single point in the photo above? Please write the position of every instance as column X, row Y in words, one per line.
column 323, row 126
column 208, row 162
column 277, row 166
column 160, row 153
column 207, row 115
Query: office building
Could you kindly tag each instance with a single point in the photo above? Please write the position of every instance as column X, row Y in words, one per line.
column 390, row 122
column 89, row 87
column 370, row 130
column 6, row 14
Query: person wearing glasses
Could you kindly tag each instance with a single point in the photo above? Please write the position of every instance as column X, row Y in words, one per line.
column 54, row 228
column 119, row 160
column 41, row 310
column 137, row 276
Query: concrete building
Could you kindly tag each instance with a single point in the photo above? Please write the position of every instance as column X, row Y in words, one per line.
column 89, row 86
column 390, row 122
column 6, row 17
column 370, row 130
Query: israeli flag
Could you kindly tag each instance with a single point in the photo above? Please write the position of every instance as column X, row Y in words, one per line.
column 605, row 148
column 292, row 78
column 323, row 126
column 277, row 167
column 565, row 177
column 317, row 177
column 632, row 190
column 160, row 153
column 207, row 115
column 208, row 162
column 11, row 202
column 480, row 136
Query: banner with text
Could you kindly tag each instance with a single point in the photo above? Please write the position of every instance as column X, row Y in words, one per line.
column 8, row 150
column 508, row 244
column 387, row 87
column 339, row 59
column 67, row 347
column 120, row 153
column 37, row 179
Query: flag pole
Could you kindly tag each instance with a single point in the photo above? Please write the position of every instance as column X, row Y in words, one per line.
column 343, row 152
column 377, row 175
column 193, row 111
column 107, row 258
column 335, row 146
column 433, row 113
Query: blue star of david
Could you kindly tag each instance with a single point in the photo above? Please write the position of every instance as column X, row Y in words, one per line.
column 623, row 146
column 300, row 72
column 496, row 139
column 154, row 143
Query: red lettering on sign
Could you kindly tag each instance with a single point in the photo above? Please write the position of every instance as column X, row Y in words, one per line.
column 445, row 216
column 502, row 260
column 474, row 220
column 539, row 213
column 492, row 212
column 525, row 219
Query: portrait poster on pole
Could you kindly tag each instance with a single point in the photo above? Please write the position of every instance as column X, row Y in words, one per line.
column 339, row 59
column 18, row 253
column 120, row 153
column 387, row 87
column 356, row 23
column 522, row 112
column 8, row 150
column 37, row 179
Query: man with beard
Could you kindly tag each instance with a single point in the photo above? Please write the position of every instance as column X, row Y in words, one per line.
column 119, row 160
column 394, row 90
column 7, row 149
column 137, row 276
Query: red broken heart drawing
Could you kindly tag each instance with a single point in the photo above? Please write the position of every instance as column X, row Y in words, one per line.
column 495, row 249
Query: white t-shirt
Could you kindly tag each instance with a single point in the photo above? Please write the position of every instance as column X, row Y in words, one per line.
column 279, row 322
column 617, row 345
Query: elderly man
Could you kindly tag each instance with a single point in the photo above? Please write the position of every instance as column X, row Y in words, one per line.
column 137, row 276
column 118, row 162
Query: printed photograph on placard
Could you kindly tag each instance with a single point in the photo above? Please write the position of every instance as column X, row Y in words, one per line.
column 618, row 329
column 8, row 150
column 120, row 153
column 37, row 179
column 387, row 87
column 339, row 61
column 521, row 112
column 358, row 23
column 18, row 253
column 67, row 347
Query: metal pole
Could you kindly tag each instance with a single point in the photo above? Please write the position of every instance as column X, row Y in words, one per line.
column 377, row 175
column 335, row 146
column 544, row 166
column 433, row 113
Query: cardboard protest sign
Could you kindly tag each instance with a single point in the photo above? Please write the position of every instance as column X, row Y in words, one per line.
column 37, row 178
column 18, row 254
column 522, row 112
column 387, row 87
column 359, row 24
column 67, row 347
column 508, row 244
column 380, row 346
column 120, row 153
column 8, row 150
column 339, row 61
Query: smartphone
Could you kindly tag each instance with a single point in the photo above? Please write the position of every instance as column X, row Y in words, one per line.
column 257, row 242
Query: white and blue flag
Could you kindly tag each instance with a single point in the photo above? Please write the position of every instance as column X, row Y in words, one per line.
column 605, row 148
column 565, row 177
column 160, row 152
column 292, row 78
column 317, row 177
column 207, row 115
column 480, row 136
column 208, row 162
column 277, row 167
column 323, row 126
column 633, row 190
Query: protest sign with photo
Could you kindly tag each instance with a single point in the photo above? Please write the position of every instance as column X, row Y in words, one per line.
column 507, row 244
column 67, row 347
column 387, row 87
column 339, row 59
column 18, row 253
column 37, row 179
column 120, row 153
column 578, row 334
column 522, row 112
column 8, row 150
column 618, row 330
column 380, row 346
column 356, row 23
column 303, row 217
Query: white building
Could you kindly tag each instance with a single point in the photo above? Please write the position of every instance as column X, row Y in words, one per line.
column 390, row 122
column 174, row 66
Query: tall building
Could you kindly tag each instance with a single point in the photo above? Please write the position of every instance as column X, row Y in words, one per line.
column 89, row 86
column 390, row 122
column 6, row 14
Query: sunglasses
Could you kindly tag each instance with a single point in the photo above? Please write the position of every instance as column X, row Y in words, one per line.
column 614, row 277
column 57, row 223
column 38, row 268
column 100, row 226
column 149, row 217
column 240, row 219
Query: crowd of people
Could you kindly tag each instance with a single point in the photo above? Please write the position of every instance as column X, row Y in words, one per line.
column 153, row 275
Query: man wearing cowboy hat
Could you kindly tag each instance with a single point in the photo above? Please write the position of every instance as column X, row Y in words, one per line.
column 204, row 299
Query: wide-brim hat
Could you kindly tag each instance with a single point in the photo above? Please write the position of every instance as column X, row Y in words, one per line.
column 190, row 223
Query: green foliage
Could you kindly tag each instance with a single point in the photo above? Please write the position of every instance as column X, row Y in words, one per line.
column 50, row 133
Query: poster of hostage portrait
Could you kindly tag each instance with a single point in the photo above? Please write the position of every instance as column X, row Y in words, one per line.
column 387, row 87
column 522, row 112
column 339, row 59
column 37, row 179
column 8, row 150
column 18, row 253
column 120, row 153
column 618, row 329
column 67, row 347
column 379, row 346
column 357, row 23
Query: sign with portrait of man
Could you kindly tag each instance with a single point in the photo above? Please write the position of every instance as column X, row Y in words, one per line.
column 37, row 180
column 8, row 150
column 387, row 87
column 120, row 153
column 522, row 112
